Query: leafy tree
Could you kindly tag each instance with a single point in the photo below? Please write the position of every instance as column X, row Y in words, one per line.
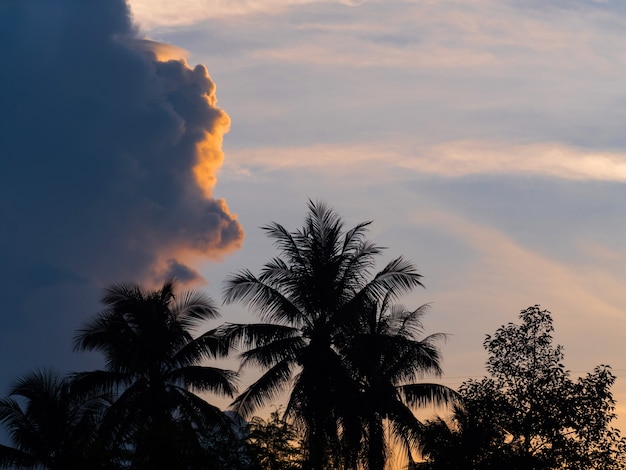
column 51, row 426
column 473, row 439
column 314, row 299
column 230, row 450
column 529, row 413
column 153, row 363
column 275, row 443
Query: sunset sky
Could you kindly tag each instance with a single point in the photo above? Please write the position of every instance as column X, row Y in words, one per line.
column 484, row 138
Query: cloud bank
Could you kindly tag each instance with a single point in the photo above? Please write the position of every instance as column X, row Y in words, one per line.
column 109, row 160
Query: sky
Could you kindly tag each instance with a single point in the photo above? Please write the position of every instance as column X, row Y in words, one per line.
column 483, row 138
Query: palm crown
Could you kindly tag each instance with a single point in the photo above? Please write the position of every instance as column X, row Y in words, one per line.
column 50, row 425
column 315, row 299
column 389, row 357
column 154, row 362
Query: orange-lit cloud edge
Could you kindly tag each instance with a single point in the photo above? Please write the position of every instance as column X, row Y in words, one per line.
column 209, row 160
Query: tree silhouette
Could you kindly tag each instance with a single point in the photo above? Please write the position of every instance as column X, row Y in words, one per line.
column 153, row 363
column 275, row 443
column 313, row 298
column 51, row 426
column 389, row 357
column 529, row 413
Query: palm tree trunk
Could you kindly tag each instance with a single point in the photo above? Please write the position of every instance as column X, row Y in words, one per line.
column 376, row 451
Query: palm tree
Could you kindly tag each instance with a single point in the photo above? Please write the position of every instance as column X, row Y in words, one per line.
column 153, row 363
column 312, row 298
column 51, row 426
column 389, row 357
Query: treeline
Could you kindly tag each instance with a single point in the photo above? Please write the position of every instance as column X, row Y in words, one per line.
column 351, row 359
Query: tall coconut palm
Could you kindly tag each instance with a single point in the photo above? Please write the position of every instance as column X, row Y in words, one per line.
column 51, row 426
column 310, row 298
column 153, row 362
column 389, row 357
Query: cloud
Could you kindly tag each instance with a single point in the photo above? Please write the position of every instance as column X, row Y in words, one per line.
column 545, row 159
column 110, row 146
column 180, row 272
column 162, row 52
column 164, row 13
column 448, row 159
column 400, row 34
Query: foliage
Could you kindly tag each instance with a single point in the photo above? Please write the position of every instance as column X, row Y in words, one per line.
column 51, row 426
column 318, row 299
column 275, row 443
column 228, row 449
column 529, row 413
column 388, row 356
column 153, row 364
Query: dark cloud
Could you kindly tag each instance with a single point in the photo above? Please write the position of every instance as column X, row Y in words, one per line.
column 181, row 272
column 107, row 166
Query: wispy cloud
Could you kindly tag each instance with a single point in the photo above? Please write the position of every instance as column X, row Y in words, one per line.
column 545, row 159
column 449, row 160
column 482, row 71
column 452, row 34
column 177, row 13
column 504, row 276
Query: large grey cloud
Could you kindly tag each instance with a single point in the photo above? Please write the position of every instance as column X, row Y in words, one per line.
column 107, row 166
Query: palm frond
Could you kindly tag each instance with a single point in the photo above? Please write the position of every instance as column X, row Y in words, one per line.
column 354, row 239
column 407, row 323
column 207, row 417
column 273, row 352
column 205, row 379
column 125, row 415
column 285, row 242
column 275, row 273
column 109, row 333
column 101, row 382
column 192, row 308
column 427, row 394
column 406, row 433
column 22, row 431
column 406, row 359
column 16, row 458
column 209, row 345
column 322, row 223
column 265, row 389
column 356, row 267
column 252, row 335
column 397, row 278
column 121, row 294
column 270, row 304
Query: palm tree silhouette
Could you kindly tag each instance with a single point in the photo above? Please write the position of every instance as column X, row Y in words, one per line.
column 389, row 357
column 312, row 298
column 52, row 426
column 154, row 363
